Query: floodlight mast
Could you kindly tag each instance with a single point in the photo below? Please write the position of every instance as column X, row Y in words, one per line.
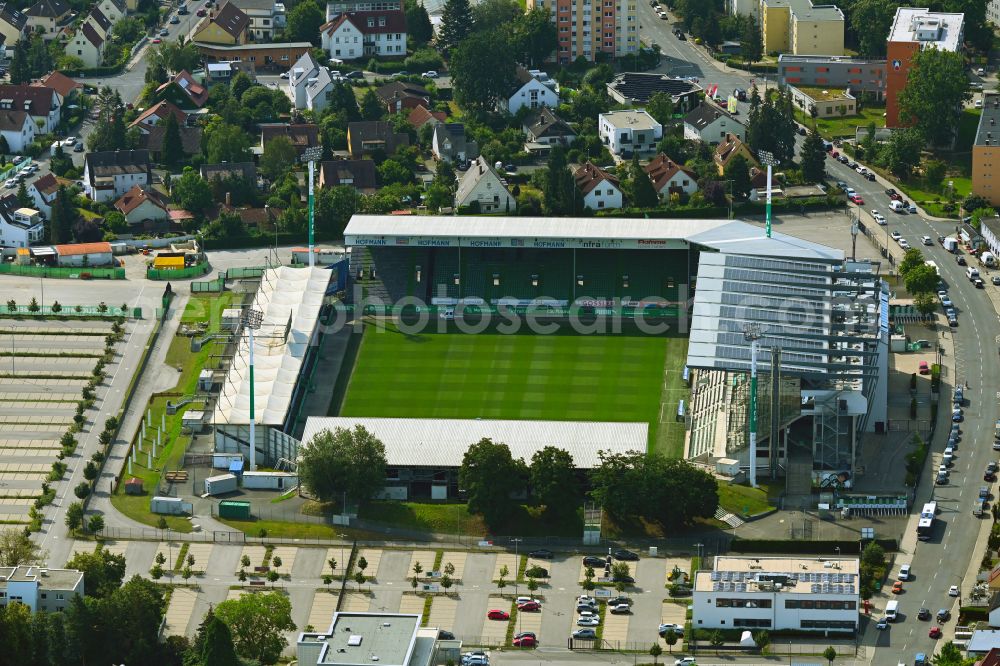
column 752, row 332
column 310, row 156
column 252, row 319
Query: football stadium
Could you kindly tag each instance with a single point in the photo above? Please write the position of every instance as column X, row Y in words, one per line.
column 596, row 334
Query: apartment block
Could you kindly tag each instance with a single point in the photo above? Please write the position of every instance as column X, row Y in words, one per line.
column 913, row 29
column 857, row 74
column 993, row 12
column 38, row 588
column 588, row 27
column 986, row 151
column 801, row 28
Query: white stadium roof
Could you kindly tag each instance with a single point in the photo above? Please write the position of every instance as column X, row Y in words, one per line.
column 730, row 236
column 290, row 300
column 443, row 442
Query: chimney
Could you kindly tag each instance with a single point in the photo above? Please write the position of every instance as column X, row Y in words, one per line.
column 229, row 198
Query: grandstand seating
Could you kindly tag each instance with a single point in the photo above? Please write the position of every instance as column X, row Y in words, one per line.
column 650, row 273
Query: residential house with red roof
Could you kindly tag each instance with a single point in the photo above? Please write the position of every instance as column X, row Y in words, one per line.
column 84, row 254
column 158, row 113
column 668, row 177
column 143, row 206
column 302, row 136
column 43, row 192
column 183, row 91
column 16, row 128
column 420, row 116
column 362, row 34
column 600, row 190
column 64, row 86
column 87, row 44
column 42, row 104
column 228, row 27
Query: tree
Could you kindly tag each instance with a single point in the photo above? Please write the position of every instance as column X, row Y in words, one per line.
column 661, row 107
column 489, row 474
column 90, row 471
column 559, row 187
column 456, row 24
column 553, row 480
column 813, row 157
column 258, row 622
column 935, row 92
column 655, row 651
column 350, row 462
column 482, row 70
column 371, row 107
column 934, row 172
column 20, row 70
column 95, row 524
column 771, row 125
column 763, row 640
column 533, row 36
column 240, row 84
column 103, row 571
column 109, row 127
column 81, row 490
column 673, row 492
column 245, row 561
column 751, row 46
column 949, row 655
column 303, row 22
column 278, row 158
column 871, row 21
column 359, row 578
column 643, row 194
column 17, row 548
column 173, row 150
column 74, row 516
column 901, row 153
column 491, row 16
column 23, row 198
column 226, row 143
column 922, row 279
column 738, row 171
column 925, row 302
column 191, row 191
column 61, row 220
column 670, row 638
column 716, row 639
column 418, row 23
column 830, row 654
column 216, row 642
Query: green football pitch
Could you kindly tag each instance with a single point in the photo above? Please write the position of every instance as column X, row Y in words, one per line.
column 526, row 376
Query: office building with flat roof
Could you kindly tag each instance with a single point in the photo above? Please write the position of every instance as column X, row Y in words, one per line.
column 855, row 74
column 986, row 151
column 387, row 639
column 915, row 28
column 801, row 27
column 38, row 588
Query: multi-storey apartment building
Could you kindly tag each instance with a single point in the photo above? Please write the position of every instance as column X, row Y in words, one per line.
column 589, row 27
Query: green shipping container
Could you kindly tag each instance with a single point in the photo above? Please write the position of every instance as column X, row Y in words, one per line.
column 234, row 510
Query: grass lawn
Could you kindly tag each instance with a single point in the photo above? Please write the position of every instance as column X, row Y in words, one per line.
column 843, row 126
column 489, row 375
column 456, row 519
column 741, row 500
column 207, row 309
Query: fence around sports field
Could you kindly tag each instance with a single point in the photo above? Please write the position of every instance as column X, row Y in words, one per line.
column 70, row 273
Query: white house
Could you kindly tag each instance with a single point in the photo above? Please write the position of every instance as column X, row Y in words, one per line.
column 668, row 177
column 21, row 228
column 110, row 174
column 482, row 186
column 87, row 45
column 630, row 131
column 364, row 34
column 17, row 128
column 114, row 10
column 43, row 104
column 304, row 69
column 319, row 90
column 43, row 192
column 777, row 593
column 529, row 92
column 449, row 143
column 38, row 588
column 599, row 188
column 139, row 205
column 84, row 254
column 710, row 124
column 265, row 16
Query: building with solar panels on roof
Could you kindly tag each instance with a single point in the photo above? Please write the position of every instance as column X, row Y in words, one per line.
column 778, row 593
column 639, row 87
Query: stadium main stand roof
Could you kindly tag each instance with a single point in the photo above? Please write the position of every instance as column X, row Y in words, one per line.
column 290, row 300
column 729, row 236
column 443, row 442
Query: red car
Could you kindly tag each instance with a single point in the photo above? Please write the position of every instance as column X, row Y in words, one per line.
column 834, row 154
column 496, row 614
column 856, row 199
column 157, row 40
column 935, row 632
column 924, row 368
column 530, row 606
column 525, row 641
column 200, row 12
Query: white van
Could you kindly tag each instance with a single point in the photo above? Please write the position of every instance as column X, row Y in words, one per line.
column 971, row 272
column 892, row 610
column 897, row 207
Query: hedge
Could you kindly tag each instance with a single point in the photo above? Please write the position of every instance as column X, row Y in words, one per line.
column 801, row 547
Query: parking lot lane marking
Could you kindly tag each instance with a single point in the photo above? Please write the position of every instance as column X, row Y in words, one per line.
column 411, row 604
column 356, row 602
column 495, row 631
column 505, row 560
column 323, row 606
column 443, row 613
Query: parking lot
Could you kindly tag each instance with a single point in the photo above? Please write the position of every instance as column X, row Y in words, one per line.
column 46, row 365
column 463, row 610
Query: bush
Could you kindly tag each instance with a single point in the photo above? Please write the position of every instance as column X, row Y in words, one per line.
column 422, row 61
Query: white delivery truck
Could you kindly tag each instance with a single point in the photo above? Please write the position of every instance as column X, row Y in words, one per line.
column 971, row 273
column 950, row 244
column 220, row 484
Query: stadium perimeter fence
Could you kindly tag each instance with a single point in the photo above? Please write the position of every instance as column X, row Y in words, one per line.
column 77, row 273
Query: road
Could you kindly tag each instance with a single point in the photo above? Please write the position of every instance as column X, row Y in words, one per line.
column 975, row 363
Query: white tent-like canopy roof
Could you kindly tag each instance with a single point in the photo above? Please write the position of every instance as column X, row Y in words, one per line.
column 290, row 300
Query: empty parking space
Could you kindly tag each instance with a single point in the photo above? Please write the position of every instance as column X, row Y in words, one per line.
column 115, row 547
column 170, row 550
column 615, row 627
column 287, row 556
column 530, row 622
column 411, row 603
column 442, row 614
column 323, row 607
column 255, row 554
column 338, row 555
column 495, row 631
column 235, row 594
column 178, row 614
column 373, row 556
column 457, row 560
column 355, row 602
column 508, row 560
column 81, row 547
column 200, row 552
column 426, row 560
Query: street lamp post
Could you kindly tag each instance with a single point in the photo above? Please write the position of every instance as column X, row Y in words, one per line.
column 311, row 155
column 252, row 320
